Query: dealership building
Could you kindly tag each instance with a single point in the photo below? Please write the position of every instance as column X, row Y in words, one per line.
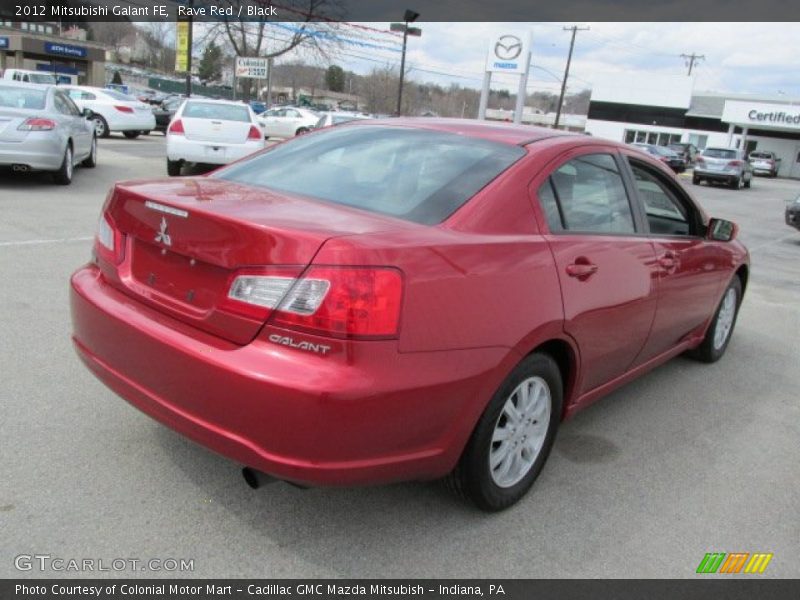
column 666, row 110
column 38, row 47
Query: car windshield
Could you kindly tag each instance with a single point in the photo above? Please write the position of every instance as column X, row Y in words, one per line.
column 119, row 96
column 719, row 153
column 41, row 78
column 663, row 151
column 213, row 110
column 19, row 97
column 417, row 175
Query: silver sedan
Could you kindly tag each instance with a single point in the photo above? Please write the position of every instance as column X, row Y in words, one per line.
column 41, row 129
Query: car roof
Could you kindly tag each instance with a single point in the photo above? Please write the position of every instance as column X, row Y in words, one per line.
column 27, row 85
column 496, row 131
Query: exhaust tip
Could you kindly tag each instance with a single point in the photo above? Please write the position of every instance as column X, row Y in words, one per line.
column 255, row 479
column 20, row 168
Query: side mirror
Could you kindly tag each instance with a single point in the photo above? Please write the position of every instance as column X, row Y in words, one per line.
column 720, row 230
column 88, row 113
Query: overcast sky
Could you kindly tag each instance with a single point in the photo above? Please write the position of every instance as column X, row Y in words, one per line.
column 757, row 58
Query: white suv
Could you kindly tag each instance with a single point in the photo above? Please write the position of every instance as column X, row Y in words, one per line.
column 725, row 165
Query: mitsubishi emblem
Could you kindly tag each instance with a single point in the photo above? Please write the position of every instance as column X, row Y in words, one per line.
column 163, row 235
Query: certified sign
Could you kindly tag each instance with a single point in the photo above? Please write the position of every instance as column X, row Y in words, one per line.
column 255, row 68
column 509, row 53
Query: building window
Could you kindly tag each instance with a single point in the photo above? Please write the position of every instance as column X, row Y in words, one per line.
column 698, row 140
column 651, row 137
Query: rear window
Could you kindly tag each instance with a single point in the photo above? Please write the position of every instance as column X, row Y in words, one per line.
column 212, row 110
column 719, row 153
column 119, row 96
column 761, row 155
column 18, row 97
column 41, row 78
column 417, row 175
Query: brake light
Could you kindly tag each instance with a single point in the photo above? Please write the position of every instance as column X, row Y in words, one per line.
column 734, row 163
column 125, row 109
column 37, row 124
column 344, row 302
column 699, row 160
column 255, row 133
column 176, row 127
column 108, row 240
column 341, row 302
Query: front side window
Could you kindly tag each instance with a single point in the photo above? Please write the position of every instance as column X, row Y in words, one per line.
column 413, row 174
column 667, row 213
column 591, row 195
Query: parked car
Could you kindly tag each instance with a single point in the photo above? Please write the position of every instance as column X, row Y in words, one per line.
column 113, row 111
column 26, row 76
column 329, row 119
column 687, row 151
column 41, row 129
column 214, row 132
column 399, row 300
column 286, row 122
column 665, row 155
column 166, row 111
column 793, row 213
column 764, row 162
column 725, row 165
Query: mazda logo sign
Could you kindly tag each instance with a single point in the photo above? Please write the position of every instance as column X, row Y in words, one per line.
column 508, row 47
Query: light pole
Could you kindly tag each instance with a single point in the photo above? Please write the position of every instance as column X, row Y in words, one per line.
column 409, row 17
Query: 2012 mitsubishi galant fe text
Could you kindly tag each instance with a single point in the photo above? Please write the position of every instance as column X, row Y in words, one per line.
column 402, row 299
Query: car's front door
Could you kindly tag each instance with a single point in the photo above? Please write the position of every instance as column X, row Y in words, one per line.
column 606, row 265
column 691, row 269
column 73, row 122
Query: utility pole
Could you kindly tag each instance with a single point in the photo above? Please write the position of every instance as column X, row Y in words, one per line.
column 575, row 29
column 189, row 57
column 409, row 17
column 691, row 59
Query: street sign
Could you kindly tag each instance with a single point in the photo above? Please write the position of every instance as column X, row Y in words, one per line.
column 254, row 68
column 509, row 53
column 402, row 27
column 182, row 46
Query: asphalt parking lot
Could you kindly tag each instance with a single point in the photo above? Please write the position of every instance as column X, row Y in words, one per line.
column 686, row 460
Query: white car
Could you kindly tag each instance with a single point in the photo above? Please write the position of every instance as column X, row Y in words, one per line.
column 287, row 121
column 214, row 132
column 26, row 76
column 113, row 110
column 329, row 119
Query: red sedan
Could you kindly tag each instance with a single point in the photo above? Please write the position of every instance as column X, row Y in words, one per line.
column 406, row 299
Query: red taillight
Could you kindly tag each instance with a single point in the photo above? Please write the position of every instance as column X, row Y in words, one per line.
column 734, row 163
column 255, row 133
column 108, row 240
column 37, row 124
column 354, row 302
column 699, row 160
column 176, row 127
column 125, row 109
column 341, row 302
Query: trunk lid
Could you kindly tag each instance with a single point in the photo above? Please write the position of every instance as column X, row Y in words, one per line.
column 216, row 130
column 184, row 239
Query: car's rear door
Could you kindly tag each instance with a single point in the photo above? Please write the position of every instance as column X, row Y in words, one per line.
column 606, row 264
column 690, row 267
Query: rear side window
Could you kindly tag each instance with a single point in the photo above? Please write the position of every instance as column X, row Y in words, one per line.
column 211, row 110
column 414, row 174
column 591, row 196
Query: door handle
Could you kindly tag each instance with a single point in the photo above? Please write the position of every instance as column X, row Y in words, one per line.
column 581, row 270
column 668, row 261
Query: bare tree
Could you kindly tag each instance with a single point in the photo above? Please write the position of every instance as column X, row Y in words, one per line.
column 112, row 34
column 313, row 27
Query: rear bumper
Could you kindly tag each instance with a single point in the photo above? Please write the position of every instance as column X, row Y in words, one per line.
column 179, row 148
column 44, row 154
column 716, row 175
column 363, row 414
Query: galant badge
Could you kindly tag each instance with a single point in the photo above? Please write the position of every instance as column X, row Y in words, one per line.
column 508, row 47
column 163, row 235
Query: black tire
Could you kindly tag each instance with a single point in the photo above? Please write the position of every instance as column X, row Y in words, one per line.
column 146, row 132
column 707, row 351
column 174, row 167
column 90, row 162
column 747, row 183
column 472, row 478
column 64, row 174
column 734, row 183
column 100, row 126
column 131, row 135
column 695, row 179
column 302, row 130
